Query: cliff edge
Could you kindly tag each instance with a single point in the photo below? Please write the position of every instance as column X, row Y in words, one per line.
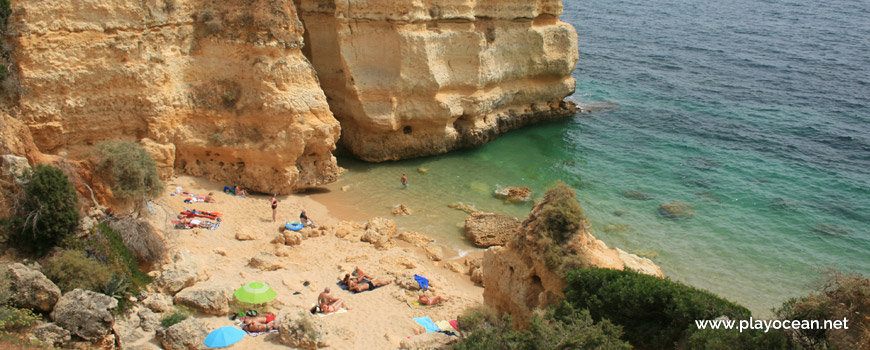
column 215, row 89
column 414, row 78
column 527, row 273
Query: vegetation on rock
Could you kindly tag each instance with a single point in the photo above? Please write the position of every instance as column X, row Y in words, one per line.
column 48, row 212
column 130, row 170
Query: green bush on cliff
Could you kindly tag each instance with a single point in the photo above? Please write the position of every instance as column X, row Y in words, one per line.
column 561, row 215
column 129, row 169
column 559, row 327
column 655, row 313
column 48, row 213
column 841, row 296
column 71, row 269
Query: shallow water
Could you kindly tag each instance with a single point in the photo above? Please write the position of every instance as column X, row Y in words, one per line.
column 757, row 113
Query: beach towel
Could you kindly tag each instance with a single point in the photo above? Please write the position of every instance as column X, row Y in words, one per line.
column 445, row 326
column 422, row 281
column 453, row 324
column 427, row 324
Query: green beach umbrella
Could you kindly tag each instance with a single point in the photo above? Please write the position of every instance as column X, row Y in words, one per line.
column 255, row 293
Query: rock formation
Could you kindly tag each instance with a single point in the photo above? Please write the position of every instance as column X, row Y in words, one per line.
column 30, row 288
column 411, row 78
column 488, row 229
column 526, row 273
column 185, row 335
column 220, row 90
column 86, row 314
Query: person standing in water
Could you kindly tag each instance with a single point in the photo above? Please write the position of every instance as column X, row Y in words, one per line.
column 274, row 207
column 404, row 180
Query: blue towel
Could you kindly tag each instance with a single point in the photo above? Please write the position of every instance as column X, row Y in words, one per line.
column 427, row 323
column 424, row 283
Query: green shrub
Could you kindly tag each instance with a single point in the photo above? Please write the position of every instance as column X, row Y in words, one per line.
column 71, row 269
column 655, row 313
column 841, row 296
column 49, row 212
column 130, row 170
column 178, row 314
column 140, row 239
column 559, row 327
column 561, row 215
column 13, row 318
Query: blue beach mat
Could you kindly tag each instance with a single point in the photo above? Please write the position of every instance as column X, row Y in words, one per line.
column 427, row 323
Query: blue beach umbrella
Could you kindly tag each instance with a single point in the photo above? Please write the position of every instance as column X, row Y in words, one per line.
column 223, row 337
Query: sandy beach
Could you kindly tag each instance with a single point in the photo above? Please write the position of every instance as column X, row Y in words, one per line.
column 379, row 319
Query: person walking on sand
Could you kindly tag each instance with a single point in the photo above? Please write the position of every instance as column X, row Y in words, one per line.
column 404, row 180
column 274, row 207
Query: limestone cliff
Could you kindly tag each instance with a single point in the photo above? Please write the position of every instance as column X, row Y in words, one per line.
column 219, row 89
column 524, row 275
column 420, row 77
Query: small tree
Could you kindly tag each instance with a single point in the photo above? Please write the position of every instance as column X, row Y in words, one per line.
column 129, row 168
column 49, row 211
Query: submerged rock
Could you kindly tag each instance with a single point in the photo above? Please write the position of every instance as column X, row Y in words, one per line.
column 676, row 210
column 831, row 229
column 637, row 195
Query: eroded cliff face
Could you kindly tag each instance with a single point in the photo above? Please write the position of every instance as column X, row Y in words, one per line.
column 212, row 88
column 420, row 77
column 518, row 278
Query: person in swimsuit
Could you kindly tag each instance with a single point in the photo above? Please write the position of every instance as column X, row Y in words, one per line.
column 260, row 324
column 239, row 191
column 425, row 300
column 303, row 217
column 404, row 180
column 274, row 207
column 330, row 303
column 210, row 198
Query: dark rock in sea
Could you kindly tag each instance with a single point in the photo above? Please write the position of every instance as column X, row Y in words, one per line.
column 637, row 195
column 702, row 183
column 618, row 228
column 676, row 210
column 831, row 229
column 708, row 196
column 783, row 203
column 620, row 212
column 702, row 163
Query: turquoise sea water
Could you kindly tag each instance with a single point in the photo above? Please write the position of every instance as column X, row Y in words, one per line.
column 757, row 113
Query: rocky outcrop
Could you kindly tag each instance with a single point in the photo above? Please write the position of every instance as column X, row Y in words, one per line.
column 514, row 194
column 442, row 75
column 30, row 289
column 488, row 229
column 265, row 262
column 380, row 232
column 220, row 90
column 526, row 273
column 51, row 334
column 207, row 298
column 415, row 238
column 185, row 335
column 676, row 210
column 299, row 329
column 184, row 271
column 86, row 314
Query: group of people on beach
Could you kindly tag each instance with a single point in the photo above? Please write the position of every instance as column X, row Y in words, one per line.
column 327, row 303
column 303, row 216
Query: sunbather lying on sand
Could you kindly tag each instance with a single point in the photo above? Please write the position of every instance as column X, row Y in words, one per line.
column 251, row 325
column 426, row 300
column 359, row 284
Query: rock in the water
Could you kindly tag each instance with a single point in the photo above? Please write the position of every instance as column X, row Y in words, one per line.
column 185, row 335
column 514, row 194
column 487, row 229
column 85, row 314
column 415, row 238
column 31, row 289
column 183, row 272
column 464, row 207
column 434, row 252
column 422, row 170
column 637, row 195
column 299, row 329
column 265, row 262
column 401, row 209
column 157, row 302
column 427, row 341
column 676, row 210
column 207, row 298
column 52, row 334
